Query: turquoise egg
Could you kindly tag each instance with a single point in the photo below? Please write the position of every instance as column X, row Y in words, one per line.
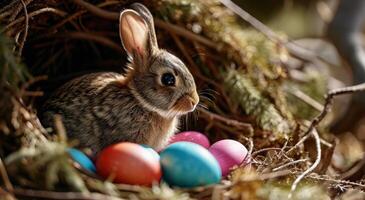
column 187, row 164
column 82, row 159
column 152, row 151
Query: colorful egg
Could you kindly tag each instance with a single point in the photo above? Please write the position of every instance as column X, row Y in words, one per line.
column 187, row 164
column 191, row 136
column 128, row 163
column 228, row 154
column 152, row 151
column 82, row 159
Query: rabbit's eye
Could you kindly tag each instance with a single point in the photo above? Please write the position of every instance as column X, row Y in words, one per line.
column 168, row 79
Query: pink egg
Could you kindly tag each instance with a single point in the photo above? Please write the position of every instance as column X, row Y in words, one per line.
column 191, row 136
column 228, row 153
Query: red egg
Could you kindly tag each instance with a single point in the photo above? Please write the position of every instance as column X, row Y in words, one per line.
column 128, row 163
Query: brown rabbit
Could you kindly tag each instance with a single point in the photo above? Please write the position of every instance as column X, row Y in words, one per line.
column 142, row 106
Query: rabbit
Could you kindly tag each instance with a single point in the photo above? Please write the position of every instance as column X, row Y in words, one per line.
column 142, row 106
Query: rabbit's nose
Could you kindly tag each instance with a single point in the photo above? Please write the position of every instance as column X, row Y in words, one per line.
column 194, row 98
column 187, row 103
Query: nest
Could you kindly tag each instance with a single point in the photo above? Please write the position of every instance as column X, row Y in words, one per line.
column 243, row 76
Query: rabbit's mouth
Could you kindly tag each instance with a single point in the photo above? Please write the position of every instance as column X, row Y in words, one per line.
column 186, row 103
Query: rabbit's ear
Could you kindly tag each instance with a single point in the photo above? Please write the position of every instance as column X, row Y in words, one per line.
column 133, row 32
column 147, row 16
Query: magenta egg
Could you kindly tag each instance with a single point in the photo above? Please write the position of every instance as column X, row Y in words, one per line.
column 191, row 136
column 228, row 153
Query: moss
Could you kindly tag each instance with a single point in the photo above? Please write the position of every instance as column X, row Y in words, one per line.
column 268, row 118
column 10, row 68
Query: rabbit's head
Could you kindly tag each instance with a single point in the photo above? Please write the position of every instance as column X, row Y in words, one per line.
column 159, row 80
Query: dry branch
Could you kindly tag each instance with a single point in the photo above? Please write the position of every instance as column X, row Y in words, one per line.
column 312, row 167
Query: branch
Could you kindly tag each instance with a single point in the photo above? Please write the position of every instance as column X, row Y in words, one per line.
column 37, row 12
column 159, row 23
column 25, row 29
column 185, row 33
column 296, row 50
column 289, row 163
column 227, row 121
column 97, row 11
column 311, row 168
column 305, row 98
column 327, row 107
column 329, row 100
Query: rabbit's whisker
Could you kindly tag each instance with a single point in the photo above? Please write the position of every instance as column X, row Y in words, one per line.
column 202, row 106
column 207, row 99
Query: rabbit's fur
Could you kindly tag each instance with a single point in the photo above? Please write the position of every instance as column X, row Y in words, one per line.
column 100, row 109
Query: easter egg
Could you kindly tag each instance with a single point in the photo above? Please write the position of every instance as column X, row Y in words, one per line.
column 228, row 154
column 128, row 163
column 82, row 159
column 191, row 136
column 187, row 164
column 152, row 151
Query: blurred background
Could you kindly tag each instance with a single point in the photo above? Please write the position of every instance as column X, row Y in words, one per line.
column 297, row 18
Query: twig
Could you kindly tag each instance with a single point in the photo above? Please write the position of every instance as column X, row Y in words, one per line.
column 185, row 33
column 303, row 139
column 311, row 168
column 345, row 182
column 79, row 13
column 327, row 107
column 33, row 80
column 16, row 10
column 9, row 6
column 61, row 195
column 328, row 103
column 306, row 99
column 251, row 145
column 30, row 82
column 289, row 163
column 4, row 14
column 266, row 149
column 25, row 30
column 35, row 13
column 294, row 49
column 251, row 20
column 329, row 99
column 5, row 177
column 67, row 19
column 90, row 36
column 227, row 121
column 159, row 23
column 97, row 11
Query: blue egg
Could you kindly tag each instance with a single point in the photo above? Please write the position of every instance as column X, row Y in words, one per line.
column 82, row 159
column 153, row 152
column 187, row 164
